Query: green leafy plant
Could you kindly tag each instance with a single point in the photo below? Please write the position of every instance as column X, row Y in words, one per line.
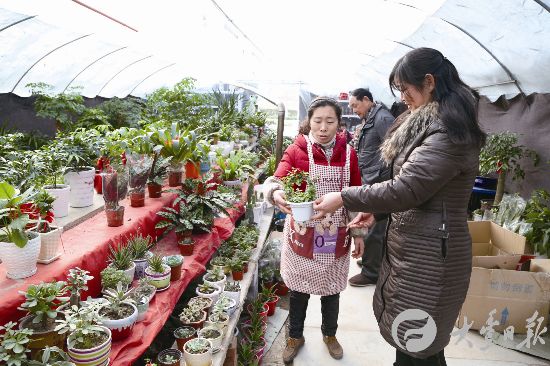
column 111, row 276
column 236, row 264
column 177, row 143
column 232, row 167
column 52, row 356
column 77, row 281
column 191, row 314
column 119, row 303
column 185, row 332
column 159, row 170
column 293, row 186
column 139, row 245
column 13, row 345
column 215, row 275
column 82, row 323
column 206, row 288
column 156, row 264
column 246, row 355
column 210, row 333
column 121, row 256
column 12, row 221
column 184, row 218
column 123, row 112
column 268, row 292
column 537, row 213
column 502, row 154
column 42, row 302
column 200, row 302
column 42, row 208
column 232, row 286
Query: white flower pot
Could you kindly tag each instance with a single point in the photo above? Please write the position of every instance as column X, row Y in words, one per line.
column 82, row 187
column 216, row 342
column 130, row 271
column 20, row 262
column 61, row 202
column 121, row 328
column 49, row 244
column 97, row 356
column 203, row 359
column 142, row 310
column 301, row 212
column 214, row 295
column 220, row 283
column 222, row 326
column 233, row 295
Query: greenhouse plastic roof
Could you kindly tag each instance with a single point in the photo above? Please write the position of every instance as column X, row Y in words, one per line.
column 324, row 46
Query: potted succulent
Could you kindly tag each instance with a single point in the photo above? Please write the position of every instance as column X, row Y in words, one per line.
column 142, row 295
column 225, row 304
column 208, row 290
column 13, row 344
column 219, row 320
column 145, row 288
column 158, row 273
column 247, row 355
column 186, row 246
column 214, row 335
column 222, row 263
column 170, row 356
column 121, row 257
column 41, row 209
column 203, row 302
column 233, row 290
column 87, row 339
column 193, row 316
column 119, row 314
column 299, row 190
column 111, row 277
column 139, row 166
column 502, row 154
column 139, row 246
column 255, row 337
column 19, row 249
column 215, row 277
column 183, row 334
column 77, row 281
column 197, row 352
column 236, row 265
column 175, row 262
column 157, row 175
column 41, row 304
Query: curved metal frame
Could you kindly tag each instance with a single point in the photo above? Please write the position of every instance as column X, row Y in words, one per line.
column 41, row 58
column 124, row 68
column 93, row 62
column 543, row 5
column 148, row 76
column 17, row 22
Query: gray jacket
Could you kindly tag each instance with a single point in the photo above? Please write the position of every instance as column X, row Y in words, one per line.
column 371, row 136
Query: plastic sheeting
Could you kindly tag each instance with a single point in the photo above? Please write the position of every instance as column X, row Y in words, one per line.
column 327, row 47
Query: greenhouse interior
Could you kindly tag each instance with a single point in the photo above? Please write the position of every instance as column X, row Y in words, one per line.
column 178, row 178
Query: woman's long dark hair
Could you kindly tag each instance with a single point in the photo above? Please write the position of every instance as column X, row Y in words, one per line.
column 457, row 101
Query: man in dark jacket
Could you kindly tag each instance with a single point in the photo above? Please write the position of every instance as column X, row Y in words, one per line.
column 369, row 135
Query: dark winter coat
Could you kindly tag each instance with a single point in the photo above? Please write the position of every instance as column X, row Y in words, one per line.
column 368, row 144
column 427, row 262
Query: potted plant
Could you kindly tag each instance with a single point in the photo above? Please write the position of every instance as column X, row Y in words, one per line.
column 119, row 314
column 145, row 288
column 193, row 316
column 225, row 304
column 232, row 169
column 158, row 273
column 142, row 305
column 247, row 355
column 255, row 337
column 18, row 249
column 53, row 161
column 157, row 175
column 299, row 190
column 186, row 246
column 218, row 319
column 202, row 302
column 112, row 195
column 140, row 169
column 257, row 306
column 50, row 236
column 502, row 154
column 13, row 344
column 208, row 290
column 170, row 356
column 236, row 265
column 537, row 213
column 222, row 263
column 197, row 352
column 175, row 263
column 121, row 258
column 79, row 172
column 214, row 335
column 139, row 246
column 183, row 334
column 233, row 290
column 87, row 339
column 215, row 277
column 269, row 297
column 111, row 277
column 77, row 281
column 41, row 304
column 183, row 219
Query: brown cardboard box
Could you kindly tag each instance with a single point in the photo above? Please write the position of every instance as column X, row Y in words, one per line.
column 540, row 265
column 495, row 285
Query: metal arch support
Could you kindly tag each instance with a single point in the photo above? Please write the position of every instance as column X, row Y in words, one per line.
column 148, row 76
column 543, row 5
column 124, row 68
column 17, row 22
column 403, row 44
column 47, row 54
column 84, row 69
column 508, row 72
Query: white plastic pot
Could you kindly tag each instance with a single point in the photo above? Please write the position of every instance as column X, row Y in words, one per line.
column 216, row 342
column 203, row 359
column 49, row 243
column 130, row 271
column 301, row 212
column 20, row 262
column 82, row 187
column 61, row 202
column 214, row 295
column 220, row 284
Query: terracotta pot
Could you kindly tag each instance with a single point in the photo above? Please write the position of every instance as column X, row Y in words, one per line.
column 175, row 273
column 137, row 199
column 181, row 341
column 115, row 217
column 98, row 182
column 191, row 170
column 237, row 275
column 40, row 339
column 174, row 177
column 272, row 305
column 281, row 289
column 186, row 249
column 245, row 267
column 155, row 190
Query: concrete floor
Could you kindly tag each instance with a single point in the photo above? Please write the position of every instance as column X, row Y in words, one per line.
column 363, row 345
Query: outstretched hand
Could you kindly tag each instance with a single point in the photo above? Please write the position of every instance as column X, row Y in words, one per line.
column 362, row 220
column 329, row 203
column 279, row 199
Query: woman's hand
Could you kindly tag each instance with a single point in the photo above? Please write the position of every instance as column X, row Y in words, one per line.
column 362, row 220
column 329, row 203
column 279, row 199
column 358, row 247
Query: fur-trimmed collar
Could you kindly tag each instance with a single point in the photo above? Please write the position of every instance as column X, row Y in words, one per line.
column 415, row 123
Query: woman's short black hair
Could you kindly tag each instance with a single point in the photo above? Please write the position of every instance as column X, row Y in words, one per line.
column 317, row 103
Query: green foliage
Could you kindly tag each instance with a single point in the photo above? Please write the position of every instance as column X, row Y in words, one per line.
column 197, row 346
column 121, row 256
column 92, row 117
column 159, row 170
column 184, row 332
column 13, row 345
column 206, row 288
column 156, row 264
column 77, row 280
column 173, row 260
column 502, row 153
column 110, row 277
column 42, row 301
column 139, row 245
column 123, row 112
column 214, row 275
column 537, row 212
column 12, row 221
column 178, row 143
column 52, row 356
column 119, row 302
column 191, row 314
column 83, row 326
column 232, row 286
column 293, row 186
column 246, row 355
column 233, row 167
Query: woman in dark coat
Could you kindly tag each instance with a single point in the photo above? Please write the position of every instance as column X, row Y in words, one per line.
column 433, row 150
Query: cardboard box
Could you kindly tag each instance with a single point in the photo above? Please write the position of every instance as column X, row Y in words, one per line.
column 495, row 285
column 540, row 265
